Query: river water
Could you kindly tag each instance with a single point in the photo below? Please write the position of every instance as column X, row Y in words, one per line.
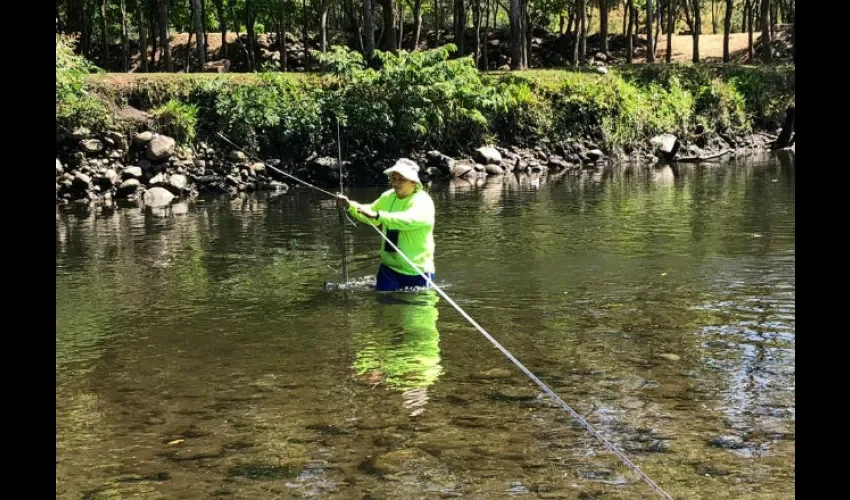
column 198, row 354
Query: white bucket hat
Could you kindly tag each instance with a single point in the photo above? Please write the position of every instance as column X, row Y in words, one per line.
column 406, row 168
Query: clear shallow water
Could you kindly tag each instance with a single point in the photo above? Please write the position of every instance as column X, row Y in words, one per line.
column 198, row 355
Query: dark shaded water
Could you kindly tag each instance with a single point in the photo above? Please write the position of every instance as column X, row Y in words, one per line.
column 197, row 355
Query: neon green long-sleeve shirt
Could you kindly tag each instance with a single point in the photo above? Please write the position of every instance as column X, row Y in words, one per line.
column 412, row 218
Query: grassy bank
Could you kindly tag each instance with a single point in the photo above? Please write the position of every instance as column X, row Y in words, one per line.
column 425, row 100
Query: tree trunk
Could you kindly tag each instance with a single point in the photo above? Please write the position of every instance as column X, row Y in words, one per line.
column 476, row 19
column 222, row 25
column 165, row 35
column 603, row 25
column 582, row 40
column 305, row 35
column 369, row 27
column 189, row 41
column 774, row 12
column 524, row 23
column 87, row 34
column 251, row 35
column 143, row 36
column 355, row 24
column 417, row 23
column 714, row 17
column 486, row 56
column 794, row 36
column 659, row 17
column 153, row 16
column 727, row 29
column 571, row 16
column 325, row 9
column 460, row 23
column 695, row 24
column 400, row 24
column 75, row 15
column 388, row 6
column 204, row 27
column 767, row 49
column 630, row 41
column 125, row 37
column 626, row 14
column 650, row 53
column 750, row 48
column 199, row 33
column 104, row 43
column 281, row 33
column 671, row 27
column 516, row 34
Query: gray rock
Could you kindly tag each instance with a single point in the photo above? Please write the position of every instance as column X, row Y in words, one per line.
column 158, row 179
column 595, row 154
column 238, row 156
column 488, row 155
column 178, row 181
column 132, row 172
column 91, row 145
column 117, row 138
column 142, row 138
column 666, row 144
column 80, row 133
column 110, row 177
column 160, row 148
column 59, row 169
column 557, row 163
column 82, row 181
column 494, row 170
column 461, row 169
column 442, row 162
column 157, row 197
column 128, row 187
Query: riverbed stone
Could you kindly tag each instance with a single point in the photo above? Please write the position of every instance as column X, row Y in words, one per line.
column 128, row 187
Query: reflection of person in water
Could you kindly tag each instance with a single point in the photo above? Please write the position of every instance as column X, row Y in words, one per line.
column 405, row 356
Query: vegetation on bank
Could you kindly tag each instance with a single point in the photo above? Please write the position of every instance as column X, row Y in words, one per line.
column 426, row 100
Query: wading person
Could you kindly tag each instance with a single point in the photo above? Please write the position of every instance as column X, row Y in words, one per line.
column 405, row 215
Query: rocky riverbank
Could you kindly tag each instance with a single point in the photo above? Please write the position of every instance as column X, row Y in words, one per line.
column 152, row 169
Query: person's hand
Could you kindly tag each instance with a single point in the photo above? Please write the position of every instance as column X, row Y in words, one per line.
column 342, row 201
column 368, row 212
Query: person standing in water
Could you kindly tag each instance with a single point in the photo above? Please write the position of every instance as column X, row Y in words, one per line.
column 405, row 215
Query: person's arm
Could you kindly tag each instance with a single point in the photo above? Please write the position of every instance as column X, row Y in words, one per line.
column 354, row 209
column 419, row 215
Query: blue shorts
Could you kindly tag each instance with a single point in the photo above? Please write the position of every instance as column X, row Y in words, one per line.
column 391, row 281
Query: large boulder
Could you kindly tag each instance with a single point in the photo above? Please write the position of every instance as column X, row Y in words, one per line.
column 157, row 197
column 160, row 148
column 488, row 155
